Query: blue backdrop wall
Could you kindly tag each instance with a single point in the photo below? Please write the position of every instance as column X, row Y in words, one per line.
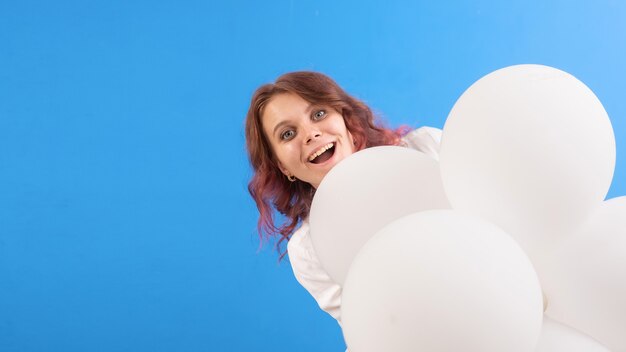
column 125, row 224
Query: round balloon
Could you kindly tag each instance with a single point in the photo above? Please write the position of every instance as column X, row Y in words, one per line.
column 531, row 149
column 585, row 279
column 556, row 337
column 441, row 281
column 365, row 192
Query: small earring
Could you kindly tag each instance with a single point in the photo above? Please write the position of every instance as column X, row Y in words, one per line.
column 291, row 178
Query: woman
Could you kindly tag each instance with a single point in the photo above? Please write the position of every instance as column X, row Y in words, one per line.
column 297, row 129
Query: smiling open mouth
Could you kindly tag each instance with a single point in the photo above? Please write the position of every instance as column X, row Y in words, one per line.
column 323, row 154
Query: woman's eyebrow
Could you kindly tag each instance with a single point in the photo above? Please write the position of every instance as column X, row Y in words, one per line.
column 279, row 125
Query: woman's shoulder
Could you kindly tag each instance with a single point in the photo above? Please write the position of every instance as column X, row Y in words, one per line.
column 301, row 252
column 300, row 239
column 424, row 139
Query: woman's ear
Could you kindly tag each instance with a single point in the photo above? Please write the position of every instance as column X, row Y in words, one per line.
column 354, row 141
column 283, row 169
column 286, row 172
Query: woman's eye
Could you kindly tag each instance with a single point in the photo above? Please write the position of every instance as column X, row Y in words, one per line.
column 287, row 135
column 320, row 114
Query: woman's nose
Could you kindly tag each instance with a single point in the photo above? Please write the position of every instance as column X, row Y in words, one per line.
column 313, row 135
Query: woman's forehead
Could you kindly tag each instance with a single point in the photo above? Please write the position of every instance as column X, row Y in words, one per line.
column 287, row 103
column 284, row 107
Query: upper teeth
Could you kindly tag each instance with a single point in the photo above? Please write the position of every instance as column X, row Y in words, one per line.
column 320, row 151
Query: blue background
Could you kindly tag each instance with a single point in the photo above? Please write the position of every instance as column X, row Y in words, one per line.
column 125, row 223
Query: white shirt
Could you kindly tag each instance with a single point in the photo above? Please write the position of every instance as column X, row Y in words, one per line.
column 304, row 261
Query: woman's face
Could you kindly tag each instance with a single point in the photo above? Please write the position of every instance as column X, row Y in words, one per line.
column 308, row 139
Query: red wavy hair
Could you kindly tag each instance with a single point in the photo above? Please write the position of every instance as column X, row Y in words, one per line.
column 268, row 186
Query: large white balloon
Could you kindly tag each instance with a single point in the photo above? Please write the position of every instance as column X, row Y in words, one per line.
column 585, row 280
column 556, row 337
column 441, row 281
column 530, row 148
column 365, row 192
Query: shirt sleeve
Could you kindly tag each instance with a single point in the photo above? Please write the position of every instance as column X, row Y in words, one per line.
column 425, row 140
column 311, row 275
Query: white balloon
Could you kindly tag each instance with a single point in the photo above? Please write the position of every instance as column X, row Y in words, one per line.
column 585, row 279
column 556, row 337
column 531, row 149
column 365, row 192
column 441, row 281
